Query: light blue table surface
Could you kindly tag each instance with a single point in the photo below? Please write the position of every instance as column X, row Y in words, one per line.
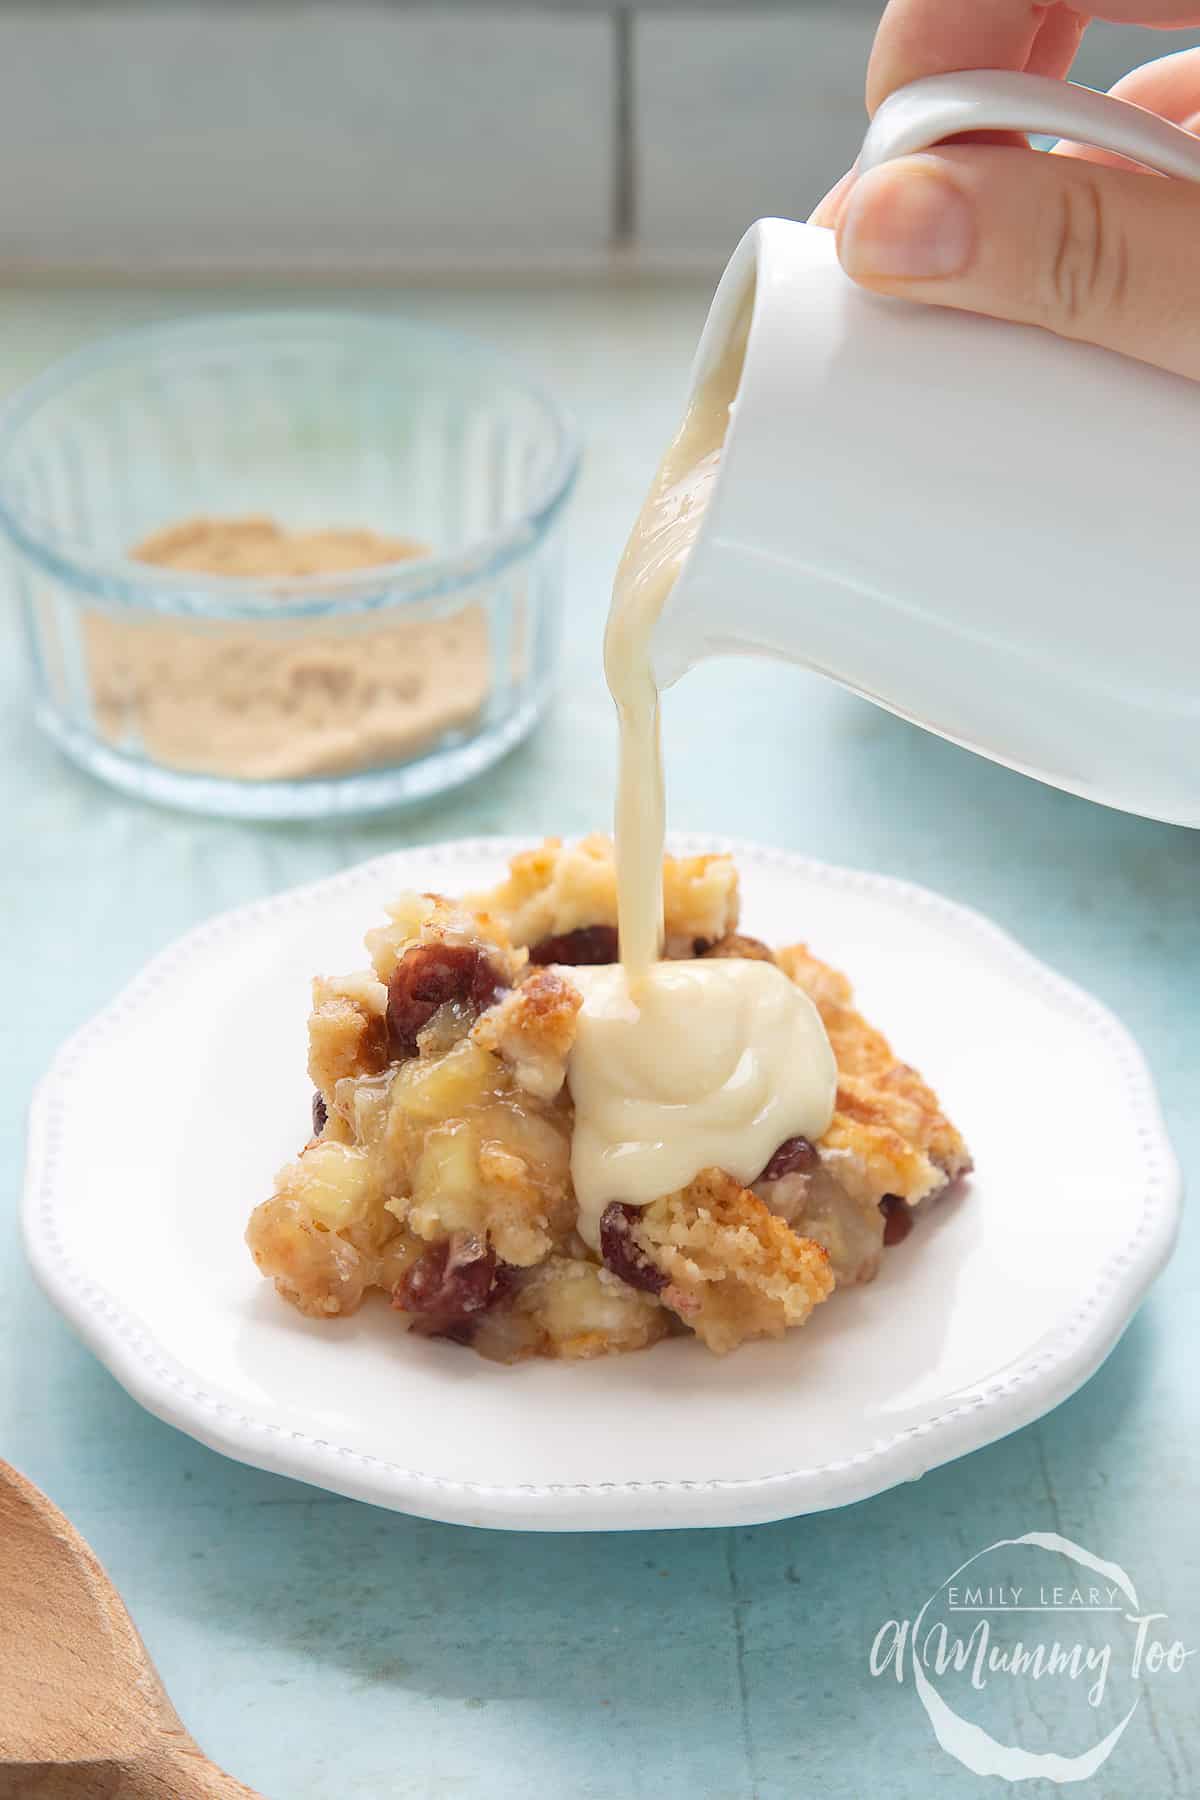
column 318, row 1647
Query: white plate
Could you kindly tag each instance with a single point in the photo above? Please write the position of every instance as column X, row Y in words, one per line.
column 163, row 1121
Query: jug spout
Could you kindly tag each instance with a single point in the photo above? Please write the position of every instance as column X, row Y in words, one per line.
column 977, row 525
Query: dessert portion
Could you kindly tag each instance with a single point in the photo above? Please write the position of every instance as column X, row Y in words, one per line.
column 439, row 1169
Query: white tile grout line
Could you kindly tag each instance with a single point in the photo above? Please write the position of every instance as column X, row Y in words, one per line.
column 625, row 161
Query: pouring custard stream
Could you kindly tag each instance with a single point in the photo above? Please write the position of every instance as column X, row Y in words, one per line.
column 678, row 1066
column 658, row 546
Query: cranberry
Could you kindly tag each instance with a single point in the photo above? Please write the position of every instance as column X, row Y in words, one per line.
column 319, row 1114
column 585, row 948
column 426, row 977
column 897, row 1219
column 450, row 1284
column 623, row 1254
column 795, row 1156
column 462, row 1332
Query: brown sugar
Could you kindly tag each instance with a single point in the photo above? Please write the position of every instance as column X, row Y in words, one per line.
column 258, row 546
column 280, row 699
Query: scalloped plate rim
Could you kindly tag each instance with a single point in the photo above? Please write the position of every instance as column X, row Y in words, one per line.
column 1026, row 1392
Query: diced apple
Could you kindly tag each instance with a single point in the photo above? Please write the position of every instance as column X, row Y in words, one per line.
column 333, row 1183
column 446, row 1087
column 447, row 1196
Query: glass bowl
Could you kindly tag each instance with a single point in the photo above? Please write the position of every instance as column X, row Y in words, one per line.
column 284, row 695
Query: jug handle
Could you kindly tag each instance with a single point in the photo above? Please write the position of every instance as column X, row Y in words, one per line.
column 941, row 106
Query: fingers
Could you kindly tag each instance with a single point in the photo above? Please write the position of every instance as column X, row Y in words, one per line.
column 1169, row 86
column 933, row 37
column 1057, row 41
column 828, row 211
column 1102, row 255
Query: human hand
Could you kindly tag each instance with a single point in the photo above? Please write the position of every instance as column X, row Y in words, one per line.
column 1078, row 241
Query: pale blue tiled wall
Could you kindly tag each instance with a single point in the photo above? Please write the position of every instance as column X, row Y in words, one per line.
column 141, row 135
column 199, row 134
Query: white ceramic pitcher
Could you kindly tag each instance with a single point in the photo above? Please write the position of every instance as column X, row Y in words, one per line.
column 982, row 527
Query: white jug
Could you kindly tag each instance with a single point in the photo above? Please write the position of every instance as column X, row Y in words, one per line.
column 980, row 526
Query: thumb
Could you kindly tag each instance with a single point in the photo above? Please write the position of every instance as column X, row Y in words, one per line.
column 1109, row 256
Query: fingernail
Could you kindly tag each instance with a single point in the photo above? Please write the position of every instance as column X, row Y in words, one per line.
column 907, row 221
column 832, row 206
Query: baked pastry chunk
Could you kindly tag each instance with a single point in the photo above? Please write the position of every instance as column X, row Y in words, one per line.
column 438, row 1170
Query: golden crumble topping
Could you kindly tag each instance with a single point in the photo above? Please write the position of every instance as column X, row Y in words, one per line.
column 732, row 1269
column 347, row 1031
column 439, row 1169
column 532, row 1029
column 559, row 889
